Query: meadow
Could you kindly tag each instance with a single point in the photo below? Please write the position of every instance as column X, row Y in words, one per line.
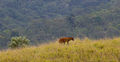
column 80, row 50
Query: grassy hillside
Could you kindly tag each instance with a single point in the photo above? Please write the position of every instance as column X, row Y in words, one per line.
column 51, row 19
column 86, row 50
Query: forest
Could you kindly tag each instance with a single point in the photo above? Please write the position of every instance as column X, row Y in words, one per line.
column 45, row 20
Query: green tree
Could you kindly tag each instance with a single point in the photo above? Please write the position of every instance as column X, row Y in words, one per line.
column 18, row 42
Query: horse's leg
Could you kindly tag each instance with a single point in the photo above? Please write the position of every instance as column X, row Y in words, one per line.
column 68, row 42
column 64, row 42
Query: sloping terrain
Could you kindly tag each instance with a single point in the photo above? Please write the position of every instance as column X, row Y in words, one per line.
column 44, row 20
column 86, row 50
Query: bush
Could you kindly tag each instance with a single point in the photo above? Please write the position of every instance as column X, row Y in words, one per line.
column 18, row 42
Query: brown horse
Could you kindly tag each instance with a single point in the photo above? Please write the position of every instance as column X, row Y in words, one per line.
column 66, row 39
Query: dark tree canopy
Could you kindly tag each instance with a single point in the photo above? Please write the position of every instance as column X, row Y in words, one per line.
column 45, row 20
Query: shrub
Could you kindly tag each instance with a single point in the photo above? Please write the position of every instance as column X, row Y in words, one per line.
column 18, row 42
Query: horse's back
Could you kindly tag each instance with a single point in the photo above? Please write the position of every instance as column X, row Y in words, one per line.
column 64, row 39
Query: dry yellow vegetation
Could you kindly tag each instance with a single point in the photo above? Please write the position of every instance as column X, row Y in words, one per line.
column 86, row 50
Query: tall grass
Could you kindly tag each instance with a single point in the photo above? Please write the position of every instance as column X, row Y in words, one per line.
column 86, row 50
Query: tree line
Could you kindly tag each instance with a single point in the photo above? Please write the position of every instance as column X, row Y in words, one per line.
column 45, row 20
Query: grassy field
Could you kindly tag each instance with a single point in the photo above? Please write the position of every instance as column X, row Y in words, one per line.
column 86, row 50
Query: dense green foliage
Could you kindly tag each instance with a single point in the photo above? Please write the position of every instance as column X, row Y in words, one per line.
column 42, row 20
column 18, row 42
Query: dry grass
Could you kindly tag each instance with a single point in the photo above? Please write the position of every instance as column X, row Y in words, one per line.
column 86, row 50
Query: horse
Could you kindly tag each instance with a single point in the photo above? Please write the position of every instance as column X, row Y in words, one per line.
column 65, row 39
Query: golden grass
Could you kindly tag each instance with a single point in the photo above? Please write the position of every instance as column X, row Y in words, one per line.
column 86, row 50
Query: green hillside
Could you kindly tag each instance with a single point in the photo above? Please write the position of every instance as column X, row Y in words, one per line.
column 44, row 20
column 86, row 50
